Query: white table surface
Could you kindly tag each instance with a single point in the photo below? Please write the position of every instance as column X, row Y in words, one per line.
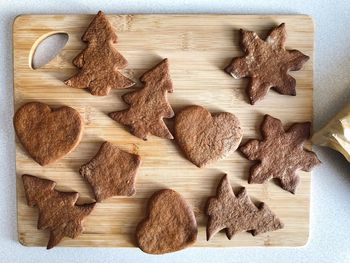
column 330, row 196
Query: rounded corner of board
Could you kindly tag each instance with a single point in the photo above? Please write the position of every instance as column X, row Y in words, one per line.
column 310, row 19
column 304, row 241
column 22, row 241
column 17, row 21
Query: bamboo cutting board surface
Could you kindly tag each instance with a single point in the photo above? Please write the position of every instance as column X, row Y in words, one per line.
column 198, row 48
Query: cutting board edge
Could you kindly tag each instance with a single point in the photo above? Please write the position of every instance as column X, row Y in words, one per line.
column 304, row 243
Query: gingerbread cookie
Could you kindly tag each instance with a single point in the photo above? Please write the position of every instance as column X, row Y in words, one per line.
column 206, row 137
column 170, row 224
column 48, row 134
column 237, row 213
column 111, row 172
column 267, row 64
column 149, row 105
column 280, row 153
column 99, row 62
column 58, row 211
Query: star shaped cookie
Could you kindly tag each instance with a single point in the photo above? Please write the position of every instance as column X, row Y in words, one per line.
column 280, row 153
column 267, row 64
column 111, row 172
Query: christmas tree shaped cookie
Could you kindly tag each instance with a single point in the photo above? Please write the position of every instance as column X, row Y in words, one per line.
column 237, row 213
column 149, row 105
column 58, row 211
column 99, row 62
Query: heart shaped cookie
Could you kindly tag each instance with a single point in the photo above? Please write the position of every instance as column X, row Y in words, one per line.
column 206, row 137
column 48, row 134
column 169, row 226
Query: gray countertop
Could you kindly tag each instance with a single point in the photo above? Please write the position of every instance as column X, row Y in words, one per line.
column 330, row 197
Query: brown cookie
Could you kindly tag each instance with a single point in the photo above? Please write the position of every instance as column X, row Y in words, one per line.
column 48, row 134
column 170, row 224
column 280, row 154
column 111, row 172
column 237, row 213
column 99, row 62
column 206, row 137
column 58, row 211
column 267, row 64
column 149, row 105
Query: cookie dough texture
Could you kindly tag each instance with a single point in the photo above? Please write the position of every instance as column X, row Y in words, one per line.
column 58, row 211
column 48, row 134
column 111, row 172
column 149, row 105
column 237, row 213
column 169, row 226
column 280, row 154
column 267, row 64
column 205, row 137
column 99, row 62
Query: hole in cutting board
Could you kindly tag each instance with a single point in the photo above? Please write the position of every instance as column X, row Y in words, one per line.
column 46, row 48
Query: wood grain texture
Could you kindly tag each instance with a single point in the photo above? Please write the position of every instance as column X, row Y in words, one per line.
column 198, row 48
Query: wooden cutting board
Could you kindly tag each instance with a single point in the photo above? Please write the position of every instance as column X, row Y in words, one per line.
column 198, row 48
